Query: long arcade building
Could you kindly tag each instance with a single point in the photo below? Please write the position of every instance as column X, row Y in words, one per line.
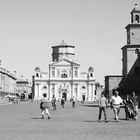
column 7, row 82
column 64, row 77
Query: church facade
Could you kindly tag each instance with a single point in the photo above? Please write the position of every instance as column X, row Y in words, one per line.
column 130, row 79
column 64, row 77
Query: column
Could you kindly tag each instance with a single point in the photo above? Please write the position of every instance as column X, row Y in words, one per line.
column 87, row 91
column 36, row 91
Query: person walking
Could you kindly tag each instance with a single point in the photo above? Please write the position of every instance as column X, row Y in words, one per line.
column 62, row 102
column 127, row 102
column 116, row 100
column 103, row 105
column 53, row 102
column 73, row 102
column 44, row 106
column 135, row 101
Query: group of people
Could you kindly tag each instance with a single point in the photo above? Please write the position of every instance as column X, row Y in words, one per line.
column 44, row 105
column 130, row 104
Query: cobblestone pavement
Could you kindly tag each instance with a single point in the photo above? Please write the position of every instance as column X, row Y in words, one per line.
column 22, row 122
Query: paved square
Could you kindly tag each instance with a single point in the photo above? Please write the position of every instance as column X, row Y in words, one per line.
column 22, row 122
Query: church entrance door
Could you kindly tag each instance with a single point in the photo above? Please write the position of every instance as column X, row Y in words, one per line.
column 64, row 94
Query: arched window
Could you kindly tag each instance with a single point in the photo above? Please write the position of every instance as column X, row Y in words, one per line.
column 37, row 75
column 53, row 74
column 137, row 19
column 91, row 74
column 64, row 74
column 76, row 74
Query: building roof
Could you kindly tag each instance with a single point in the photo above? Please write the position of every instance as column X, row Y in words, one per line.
column 37, row 69
column 131, row 46
column 91, row 68
column 63, row 44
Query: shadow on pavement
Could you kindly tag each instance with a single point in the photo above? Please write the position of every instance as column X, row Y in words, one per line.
column 90, row 121
column 36, row 118
column 99, row 122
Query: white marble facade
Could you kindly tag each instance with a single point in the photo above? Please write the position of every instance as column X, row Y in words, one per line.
column 64, row 77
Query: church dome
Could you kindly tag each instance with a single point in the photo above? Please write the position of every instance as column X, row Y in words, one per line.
column 37, row 69
column 91, row 69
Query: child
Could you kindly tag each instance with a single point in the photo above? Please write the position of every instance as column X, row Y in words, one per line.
column 44, row 106
column 102, row 107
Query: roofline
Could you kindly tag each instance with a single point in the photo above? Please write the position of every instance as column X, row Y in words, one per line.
column 63, row 46
column 113, row 76
column 130, row 46
column 133, row 25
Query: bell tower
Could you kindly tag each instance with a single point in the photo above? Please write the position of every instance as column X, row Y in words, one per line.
column 130, row 52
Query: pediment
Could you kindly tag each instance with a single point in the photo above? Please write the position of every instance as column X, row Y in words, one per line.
column 64, row 62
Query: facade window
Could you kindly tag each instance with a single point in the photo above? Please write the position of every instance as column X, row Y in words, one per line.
column 70, row 73
column 53, row 89
column 75, row 89
column 76, row 72
column 53, row 72
column 58, row 73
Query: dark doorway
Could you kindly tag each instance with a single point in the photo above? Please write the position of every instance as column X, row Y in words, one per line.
column 64, row 95
column 83, row 97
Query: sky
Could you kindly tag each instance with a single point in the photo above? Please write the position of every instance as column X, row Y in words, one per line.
column 29, row 29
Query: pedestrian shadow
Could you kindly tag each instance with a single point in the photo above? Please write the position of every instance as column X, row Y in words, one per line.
column 123, row 119
column 89, row 105
column 90, row 121
column 35, row 118
column 98, row 121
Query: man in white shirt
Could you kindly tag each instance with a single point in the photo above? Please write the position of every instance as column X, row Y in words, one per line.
column 116, row 100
